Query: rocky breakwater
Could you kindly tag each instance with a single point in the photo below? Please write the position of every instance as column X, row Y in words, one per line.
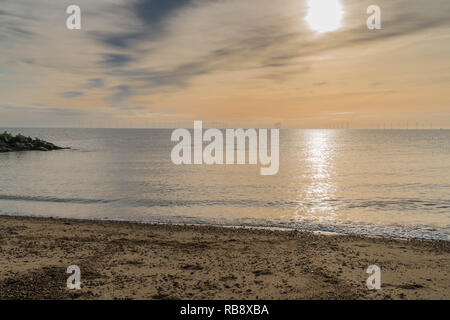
column 9, row 143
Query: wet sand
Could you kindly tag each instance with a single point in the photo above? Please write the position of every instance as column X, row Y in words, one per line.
column 121, row 260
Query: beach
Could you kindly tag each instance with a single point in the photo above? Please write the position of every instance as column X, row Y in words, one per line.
column 124, row 260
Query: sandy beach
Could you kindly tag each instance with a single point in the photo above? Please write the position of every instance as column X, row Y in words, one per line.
column 120, row 260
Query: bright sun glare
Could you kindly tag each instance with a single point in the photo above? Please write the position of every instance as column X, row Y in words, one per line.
column 324, row 15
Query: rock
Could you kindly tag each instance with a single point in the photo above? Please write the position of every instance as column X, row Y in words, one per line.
column 10, row 143
column 19, row 145
column 5, row 137
column 5, row 149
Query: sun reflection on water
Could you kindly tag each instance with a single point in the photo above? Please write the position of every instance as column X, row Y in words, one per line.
column 318, row 196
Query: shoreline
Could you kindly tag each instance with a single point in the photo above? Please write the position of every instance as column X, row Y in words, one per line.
column 248, row 226
column 135, row 260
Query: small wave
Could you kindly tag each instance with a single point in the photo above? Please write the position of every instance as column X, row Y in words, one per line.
column 153, row 202
column 51, row 199
column 403, row 204
column 398, row 204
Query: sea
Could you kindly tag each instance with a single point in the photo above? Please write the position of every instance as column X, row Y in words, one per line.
column 389, row 183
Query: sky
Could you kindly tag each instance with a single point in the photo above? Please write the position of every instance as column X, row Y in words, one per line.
column 234, row 63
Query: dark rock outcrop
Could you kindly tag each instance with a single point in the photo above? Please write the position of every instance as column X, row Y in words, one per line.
column 10, row 143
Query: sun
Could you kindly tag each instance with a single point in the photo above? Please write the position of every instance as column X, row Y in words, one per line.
column 324, row 15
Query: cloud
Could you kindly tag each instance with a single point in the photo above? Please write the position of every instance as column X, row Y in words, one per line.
column 121, row 92
column 130, row 108
column 12, row 27
column 94, row 83
column 120, row 40
column 155, row 12
column 143, row 47
column 18, row 31
column 151, row 15
column 177, row 76
column 72, row 94
column 10, row 14
column 39, row 109
column 229, row 35
column 116, row 60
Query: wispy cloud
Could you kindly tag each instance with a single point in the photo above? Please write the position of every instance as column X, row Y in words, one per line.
column 140, row 51
column 72, row 94
column 116, row 60
column 39, row 109
column 151, row 15
column 94, row 83
column 254, row 40
column 120, row 93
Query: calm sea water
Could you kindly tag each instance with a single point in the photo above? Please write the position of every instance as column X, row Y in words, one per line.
column 373, row 182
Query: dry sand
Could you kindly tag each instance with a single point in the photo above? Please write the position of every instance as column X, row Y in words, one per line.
column 141, row 261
